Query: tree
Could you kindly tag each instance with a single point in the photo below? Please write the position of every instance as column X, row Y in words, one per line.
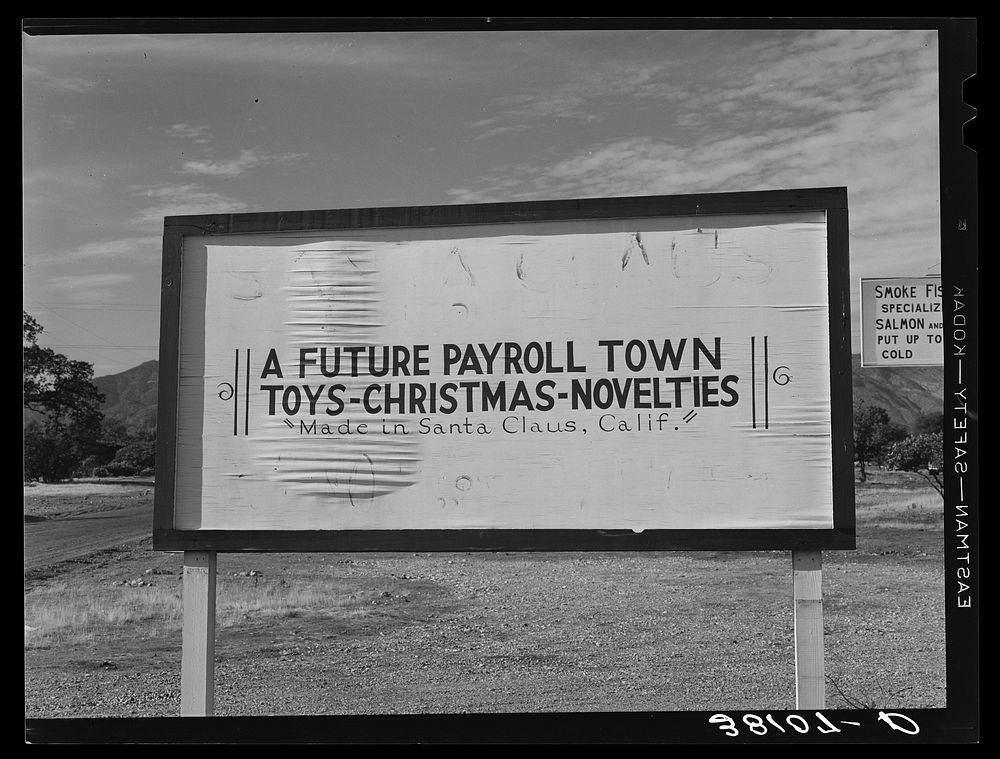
column 874, row 432
column 932, row 421
column 135, row 455
column 63, row 393
column 101, row 449
column 923, row 454
column 50, row 455
column 55, row 386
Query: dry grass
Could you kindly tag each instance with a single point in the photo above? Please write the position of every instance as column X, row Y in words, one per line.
column 91, row 486
column 57, row 614
column 899, row 509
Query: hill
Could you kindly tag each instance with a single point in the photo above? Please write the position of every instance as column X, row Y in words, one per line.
column 905, row 392
column 130, row 397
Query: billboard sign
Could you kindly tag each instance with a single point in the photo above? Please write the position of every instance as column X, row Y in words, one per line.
column 625, row 373
column 901, row 322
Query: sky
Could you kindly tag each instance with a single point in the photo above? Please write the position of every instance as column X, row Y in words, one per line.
column 120, row 131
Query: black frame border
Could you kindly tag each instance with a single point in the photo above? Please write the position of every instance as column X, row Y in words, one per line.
column 831, row 200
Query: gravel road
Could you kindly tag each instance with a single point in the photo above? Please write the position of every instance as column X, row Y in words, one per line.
column 53, row 540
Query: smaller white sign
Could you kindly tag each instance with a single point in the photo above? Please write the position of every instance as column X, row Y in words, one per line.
column 902, row 322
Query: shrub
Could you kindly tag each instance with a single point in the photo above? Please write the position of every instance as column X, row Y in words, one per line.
column 874, row 434
column 136, row 457
column 50, row 455
column 923, row 454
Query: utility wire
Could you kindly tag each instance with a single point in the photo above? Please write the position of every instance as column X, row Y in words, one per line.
column 98, row 350
column 108, row 347
column 151, row 308
column 99, row 337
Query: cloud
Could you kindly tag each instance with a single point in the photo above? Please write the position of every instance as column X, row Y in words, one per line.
column 124, row 249
column 844, row 108
column 66, row 120
column 183, row 200
column 564, row 102
column 99, row 281
column 61, row 189
column 499, row 130
column 133, row 247
column 404, row 55
column 576, row 101
column 589, row 92
column 725, row 78
column 888, row 163
column 198, row 134
column 34, row 75
column 234, row 167
column 97, row 287
column 248, row 159
column 521, row 112
column 231, row 168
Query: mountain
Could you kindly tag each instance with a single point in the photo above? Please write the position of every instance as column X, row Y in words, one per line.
column 130, row 397
column 905, row 392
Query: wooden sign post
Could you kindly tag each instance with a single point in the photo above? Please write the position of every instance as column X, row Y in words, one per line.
column 198, row 635
column 807, row 592
column 619, row 374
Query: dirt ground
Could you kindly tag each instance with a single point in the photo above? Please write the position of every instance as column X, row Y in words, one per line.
column 496, row 632
column 52, row 500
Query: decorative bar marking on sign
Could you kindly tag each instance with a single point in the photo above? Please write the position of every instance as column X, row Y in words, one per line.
column 766, row 375
column 246, row 411
column 231, row 392
column 236, row 394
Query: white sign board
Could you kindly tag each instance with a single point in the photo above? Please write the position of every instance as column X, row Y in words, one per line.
column 668, row 373
column 901, row 322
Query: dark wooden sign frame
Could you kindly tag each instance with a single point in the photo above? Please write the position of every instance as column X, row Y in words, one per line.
column 832, row 201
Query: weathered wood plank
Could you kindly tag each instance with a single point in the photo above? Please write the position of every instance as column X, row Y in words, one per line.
column 769, row 201
column 169, row 365
column 198, row 637
column 807, row 590
column 499, row 540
